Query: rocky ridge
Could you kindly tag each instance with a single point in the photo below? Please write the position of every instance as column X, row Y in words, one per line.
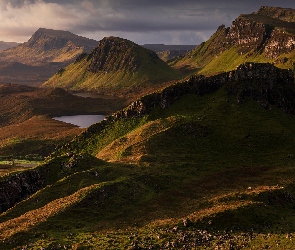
column 114, row 54
column 265, row 35
column 264, row 83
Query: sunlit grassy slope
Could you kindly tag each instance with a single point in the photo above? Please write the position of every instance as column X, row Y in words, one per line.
column 126, row 69
column 221, row 54
column 227, row 168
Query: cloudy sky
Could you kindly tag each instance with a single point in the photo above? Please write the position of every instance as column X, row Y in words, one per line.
column 142, row 21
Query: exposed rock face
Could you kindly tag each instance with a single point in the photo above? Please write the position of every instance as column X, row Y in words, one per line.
column 114, row 54
column 253, row 33
column 263, row 82
column 263, row 36
column 279, row 43
column 19, row 187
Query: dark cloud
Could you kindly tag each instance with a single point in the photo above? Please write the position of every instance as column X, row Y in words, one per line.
column 158, row 21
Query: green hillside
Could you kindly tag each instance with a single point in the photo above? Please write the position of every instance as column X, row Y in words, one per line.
column 206, row 163
column 116, row 67
column 265, row 36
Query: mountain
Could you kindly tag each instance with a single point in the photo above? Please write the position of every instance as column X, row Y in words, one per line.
column 168, row 171
column 39, row 58
column 46, row 46
column 7, row 45
column 169, row 52
column 116, row 67
column 267, row 35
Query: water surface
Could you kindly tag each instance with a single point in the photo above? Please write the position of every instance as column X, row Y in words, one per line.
column 83, row 121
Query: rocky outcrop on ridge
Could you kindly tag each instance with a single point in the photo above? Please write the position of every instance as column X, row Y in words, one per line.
column 264, row 83
column 267, row 35
column 114, row 54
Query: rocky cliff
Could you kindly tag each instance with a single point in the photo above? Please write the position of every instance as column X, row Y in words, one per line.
column 113, row 54
column 267, row 35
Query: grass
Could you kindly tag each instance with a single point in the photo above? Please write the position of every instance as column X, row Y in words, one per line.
column 205, row 158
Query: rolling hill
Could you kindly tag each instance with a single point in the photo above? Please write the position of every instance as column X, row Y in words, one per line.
column 205, row 163
column 115, row 67
column 267, row 35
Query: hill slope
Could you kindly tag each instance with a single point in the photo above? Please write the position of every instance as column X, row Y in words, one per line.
column 267, row 35
column 201, row 151
column 117, row 67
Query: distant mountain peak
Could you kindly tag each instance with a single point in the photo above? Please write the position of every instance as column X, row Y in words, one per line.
column 114, row 53
column 48, row 45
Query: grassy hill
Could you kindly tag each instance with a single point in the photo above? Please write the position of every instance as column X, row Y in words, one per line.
column 204, row 164
column 267, row 35
column 116, row 67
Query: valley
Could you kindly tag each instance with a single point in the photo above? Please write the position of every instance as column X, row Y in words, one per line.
column 190, row 152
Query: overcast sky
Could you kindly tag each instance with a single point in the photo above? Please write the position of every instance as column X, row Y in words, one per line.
column 142, row 21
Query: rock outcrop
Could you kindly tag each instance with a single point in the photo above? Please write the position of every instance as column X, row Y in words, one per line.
column 264, row 83
column 114, row 54
column 18, row 187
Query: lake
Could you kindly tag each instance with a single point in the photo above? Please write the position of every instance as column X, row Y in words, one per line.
column 83, row 121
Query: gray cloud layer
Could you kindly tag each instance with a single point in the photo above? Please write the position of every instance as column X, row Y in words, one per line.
column 143, row 21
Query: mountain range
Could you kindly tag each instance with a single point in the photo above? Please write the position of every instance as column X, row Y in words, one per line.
column 267, row 35
column 201, row 162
